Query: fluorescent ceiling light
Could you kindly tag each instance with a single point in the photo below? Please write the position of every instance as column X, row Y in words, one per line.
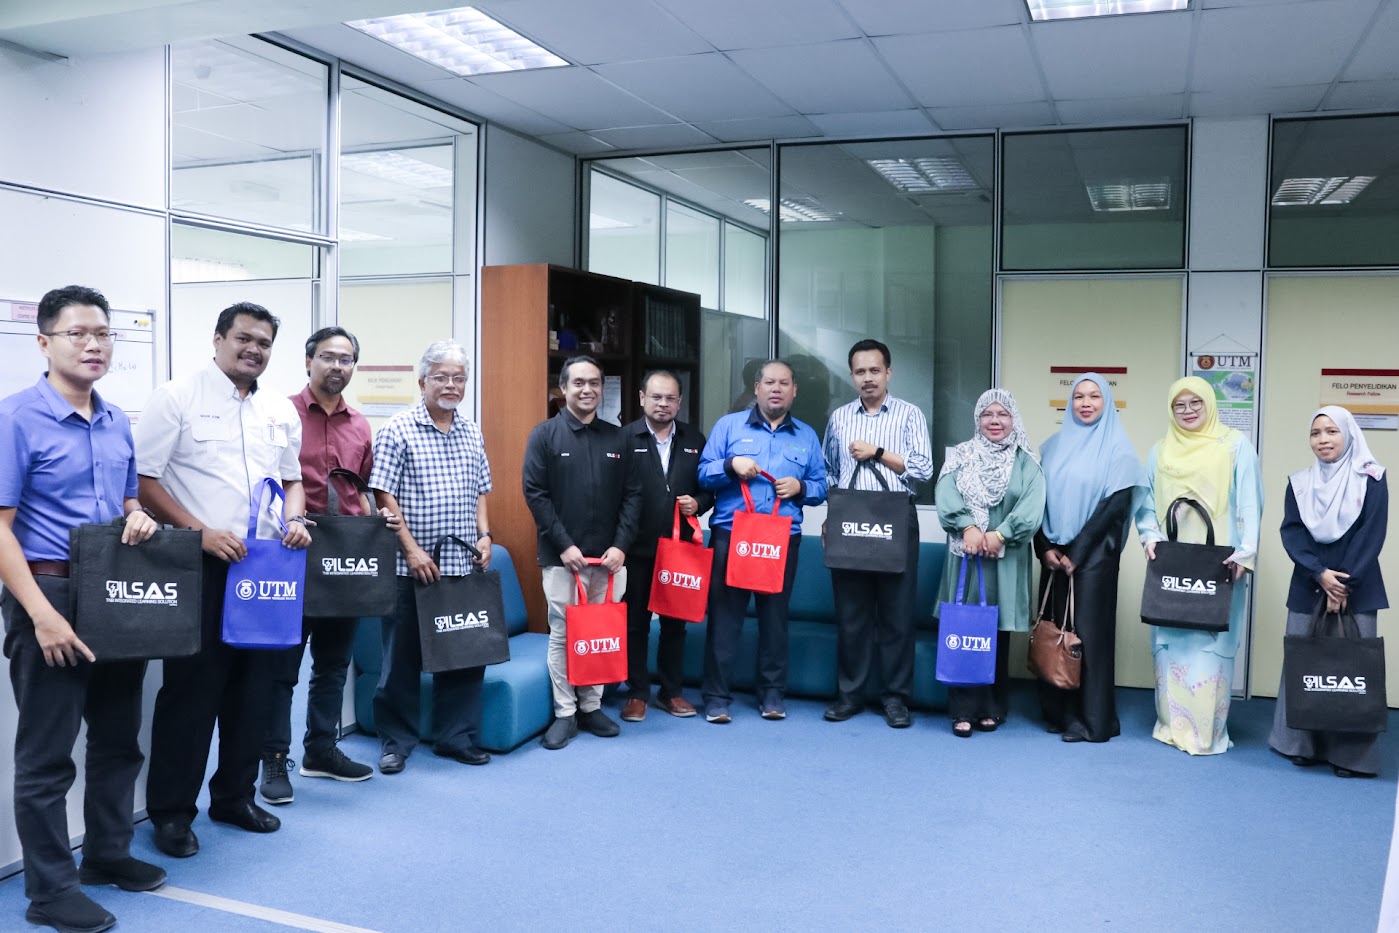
column 1151, row 195
column 794, row 211
column 1078, row 9
column 464, row 41
column 1340, row 189
column 926, row 175
column 398, row 168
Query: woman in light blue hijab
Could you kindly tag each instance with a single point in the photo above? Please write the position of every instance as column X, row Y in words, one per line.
column 1091, row 474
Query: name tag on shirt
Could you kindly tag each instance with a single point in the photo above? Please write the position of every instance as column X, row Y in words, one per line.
column 690, row 450
column 612, row 456
column 638, row 450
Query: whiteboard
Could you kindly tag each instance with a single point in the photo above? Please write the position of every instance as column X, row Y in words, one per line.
column 128, row 382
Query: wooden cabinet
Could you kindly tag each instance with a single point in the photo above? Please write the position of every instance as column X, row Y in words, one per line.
column 533, row 317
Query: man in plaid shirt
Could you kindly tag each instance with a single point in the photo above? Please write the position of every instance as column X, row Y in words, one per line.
column 430, row 467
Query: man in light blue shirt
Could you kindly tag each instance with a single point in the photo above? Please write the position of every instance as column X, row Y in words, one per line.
column 767, row 439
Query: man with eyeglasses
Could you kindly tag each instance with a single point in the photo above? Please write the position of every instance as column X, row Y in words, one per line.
column 66, row 460
column 430, row 468
column 204, row 444
column 333, row 436
column 585, row 504
column 665, row 458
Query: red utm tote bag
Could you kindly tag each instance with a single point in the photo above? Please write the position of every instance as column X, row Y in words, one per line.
column 597, row 638
column 680, row 585
column 758, row 546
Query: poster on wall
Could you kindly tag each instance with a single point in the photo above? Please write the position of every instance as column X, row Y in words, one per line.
column 1371, row 395
column 1062, row 378
column 1232, row 371
column 384, row 391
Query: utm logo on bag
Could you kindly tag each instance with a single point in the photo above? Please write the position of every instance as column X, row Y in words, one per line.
column 684, row 581
column 867, row 530
column 349, row 566
column 1330, row 683
column 759, row 550
column 968, row 643
column 144, row 594
column 460, row 621
column 276, row 591
column 1188, row 585
column 597, row 646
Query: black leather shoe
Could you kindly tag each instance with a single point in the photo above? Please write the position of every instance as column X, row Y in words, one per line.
column 176, row 840
column 470, row 755
column 245, row 815
column 1072, row 737
column 596, row 722
column 839, row 711
column 129, row 874
column 391, row 763
column 896, row 715
column 74, row 912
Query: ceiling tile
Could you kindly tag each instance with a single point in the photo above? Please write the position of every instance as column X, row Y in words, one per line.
column 577, row 143
column 1130, row 56
column 592, row 31
column 1121, row 109
column 1363, row 95
column 889, row 123
column 1378, row 56
column 990, row 116
column 491, row 106
column 1276, row 46
column 826, row 78
column 894, row 17
column 654, row 137
column 1212, row 4
column 369, row 53
column 695, row 88
column 733, row 131
column 743, row 24
column 1254, row 101
column 951, row 69
column 575, row 97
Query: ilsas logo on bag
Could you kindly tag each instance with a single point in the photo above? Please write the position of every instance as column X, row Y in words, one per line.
column 968, row 643
column 461, row 620
column 867, row 530
column 597, row 646
column 759, row 550
column 277, row 591
column 1189, row 585
column 685, row 581
column 349, row 566
column 1330, row 683
column 143, row 594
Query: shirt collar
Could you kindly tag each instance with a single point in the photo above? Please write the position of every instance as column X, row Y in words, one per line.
column 218, row 378
column 60, row 406
column 419, row 413
column 573, row 422
column 674, row 429
column 309, row 399
column 756, row 419
column 884, row 406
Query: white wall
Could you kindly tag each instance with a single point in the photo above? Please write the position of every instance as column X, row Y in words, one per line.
column 530, row 201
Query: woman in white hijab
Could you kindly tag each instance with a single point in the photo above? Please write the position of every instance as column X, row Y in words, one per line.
column 1333, row 529
column 990, row 500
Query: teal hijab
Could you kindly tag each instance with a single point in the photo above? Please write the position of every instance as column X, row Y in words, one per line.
column 1084, row 464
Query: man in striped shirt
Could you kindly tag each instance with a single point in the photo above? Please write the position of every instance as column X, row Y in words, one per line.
column 874, row 611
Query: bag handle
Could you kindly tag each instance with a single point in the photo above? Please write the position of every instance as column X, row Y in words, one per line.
column 267, row 484
column 1067, row 624
column 1200, row 509
column 962, row 581
column 873, row 469
column 748, row 496
column 333, row 497
column 437, row 548
column 583, row 590
column 675, row 525
column 1345, row 619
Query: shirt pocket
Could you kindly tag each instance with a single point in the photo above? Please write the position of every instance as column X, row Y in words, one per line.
column 206, row 430
column 795, row 460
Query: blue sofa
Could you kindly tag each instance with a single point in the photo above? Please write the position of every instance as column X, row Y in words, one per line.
column 516, row 698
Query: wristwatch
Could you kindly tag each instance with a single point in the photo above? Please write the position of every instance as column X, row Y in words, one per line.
column 485, row 534
column 298, row 518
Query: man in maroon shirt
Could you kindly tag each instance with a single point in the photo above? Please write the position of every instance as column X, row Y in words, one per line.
column 333, row 436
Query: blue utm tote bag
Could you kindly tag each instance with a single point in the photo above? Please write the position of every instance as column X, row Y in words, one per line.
column 967, row 635
column 263, row 598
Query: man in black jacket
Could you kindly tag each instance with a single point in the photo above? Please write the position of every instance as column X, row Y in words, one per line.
column 585, row 505
column 665, row 461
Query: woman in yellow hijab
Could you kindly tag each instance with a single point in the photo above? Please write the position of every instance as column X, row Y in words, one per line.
column 1217, row 466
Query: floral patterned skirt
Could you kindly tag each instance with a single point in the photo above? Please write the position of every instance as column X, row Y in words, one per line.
column 1193, row 689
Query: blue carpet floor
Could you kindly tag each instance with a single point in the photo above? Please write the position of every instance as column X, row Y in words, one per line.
column 808, row 825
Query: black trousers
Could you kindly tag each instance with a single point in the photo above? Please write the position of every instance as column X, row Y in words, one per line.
column 456, row 695
column 727, row 607
column 670, row 652
column 330, row 641
column 989, row 701
column 53, row 703
column 230, row 687
column 874, row 618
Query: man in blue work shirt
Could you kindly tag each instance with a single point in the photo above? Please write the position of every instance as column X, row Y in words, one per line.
column 765, row 438
column 66, row 459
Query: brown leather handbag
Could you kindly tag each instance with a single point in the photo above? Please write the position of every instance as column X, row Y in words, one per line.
column 1056, row 654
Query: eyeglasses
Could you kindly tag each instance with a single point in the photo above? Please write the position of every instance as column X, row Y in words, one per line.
column 1181, row 408
column 330, row 360
column 666, row 399
column 442, row 379
column 80, row 338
